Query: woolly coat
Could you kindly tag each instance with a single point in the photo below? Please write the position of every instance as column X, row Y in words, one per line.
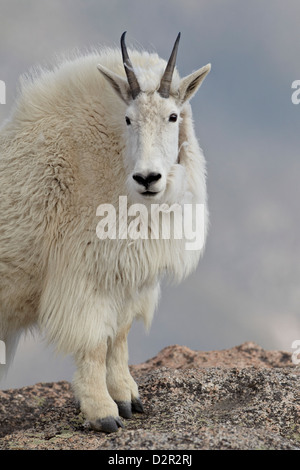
column 61, row 155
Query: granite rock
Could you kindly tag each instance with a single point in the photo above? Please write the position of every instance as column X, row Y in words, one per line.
column 241, row 398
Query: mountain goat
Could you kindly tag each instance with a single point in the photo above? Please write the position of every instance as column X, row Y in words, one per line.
column 78, row 139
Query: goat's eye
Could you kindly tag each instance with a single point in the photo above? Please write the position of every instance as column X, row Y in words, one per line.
column 173, row 117
column 128, row 122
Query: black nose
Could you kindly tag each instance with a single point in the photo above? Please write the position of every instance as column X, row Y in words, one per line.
column 146, row 180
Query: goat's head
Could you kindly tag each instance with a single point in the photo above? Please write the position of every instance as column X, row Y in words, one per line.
column 152, row 120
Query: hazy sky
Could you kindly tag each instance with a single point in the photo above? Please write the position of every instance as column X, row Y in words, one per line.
column 247, row 285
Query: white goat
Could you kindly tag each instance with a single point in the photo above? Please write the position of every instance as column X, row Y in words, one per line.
column 78, row 139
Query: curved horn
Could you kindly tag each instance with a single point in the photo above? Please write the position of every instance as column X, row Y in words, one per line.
column 165, row 84
column 132, row 80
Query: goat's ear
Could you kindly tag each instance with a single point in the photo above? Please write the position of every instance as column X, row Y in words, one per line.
column 118, row 83
column 190, row 84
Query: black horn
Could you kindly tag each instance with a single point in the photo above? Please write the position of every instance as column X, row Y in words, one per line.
column 132, row 80
column 165, row 84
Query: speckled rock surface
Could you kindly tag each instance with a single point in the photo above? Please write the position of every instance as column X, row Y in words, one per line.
column 241, row 398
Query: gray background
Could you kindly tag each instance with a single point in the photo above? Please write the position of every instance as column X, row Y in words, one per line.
column 247, row 285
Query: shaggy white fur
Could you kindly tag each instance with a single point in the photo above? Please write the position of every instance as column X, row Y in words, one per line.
column 65, row 150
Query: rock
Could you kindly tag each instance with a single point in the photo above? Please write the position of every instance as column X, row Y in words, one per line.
column 240, row 398
column 246, row 355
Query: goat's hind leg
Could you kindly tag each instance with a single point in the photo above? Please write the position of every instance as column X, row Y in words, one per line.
column 121, row 386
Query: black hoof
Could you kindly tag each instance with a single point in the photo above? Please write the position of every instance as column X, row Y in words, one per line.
column 137, row 406
column 109, row 424
column 124, row 409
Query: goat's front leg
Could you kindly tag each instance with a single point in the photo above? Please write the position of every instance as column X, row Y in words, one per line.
column 90, row 389
column 121, row 386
